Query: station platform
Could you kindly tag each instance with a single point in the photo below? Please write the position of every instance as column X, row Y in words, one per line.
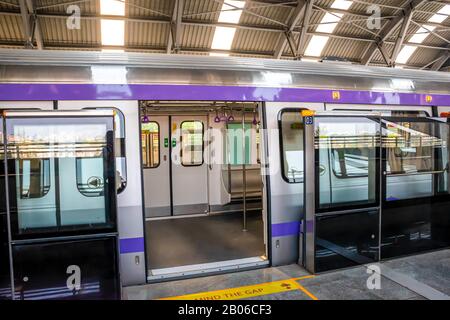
column 419, row 277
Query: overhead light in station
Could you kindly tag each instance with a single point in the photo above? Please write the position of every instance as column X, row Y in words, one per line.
column 441, row 15
column 112, row 7
column 421, row 34
column 112, row 30
column 223, row 36
column 405, row 54
column 328, row 24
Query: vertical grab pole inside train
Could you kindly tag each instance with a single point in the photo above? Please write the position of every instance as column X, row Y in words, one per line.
column 244, row 175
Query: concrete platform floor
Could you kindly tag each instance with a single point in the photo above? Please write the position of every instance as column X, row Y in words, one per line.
column 417, row 276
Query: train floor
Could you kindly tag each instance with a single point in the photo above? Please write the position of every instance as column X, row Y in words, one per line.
column 199, row 240
column 418, row 277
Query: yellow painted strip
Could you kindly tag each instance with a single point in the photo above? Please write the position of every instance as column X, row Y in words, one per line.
column 309, row 294
column 250, row 291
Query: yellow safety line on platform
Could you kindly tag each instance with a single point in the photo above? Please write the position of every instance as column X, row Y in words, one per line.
column 249, row 291
column 309, row 294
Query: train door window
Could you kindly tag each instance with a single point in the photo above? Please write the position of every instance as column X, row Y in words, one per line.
column 191, row 143
column 291, row 134
column 233, row 154
column 415, row 152
column 34, row 177
column 150, row 144
column 74, row 152
column 347, row 161
column 120, row 149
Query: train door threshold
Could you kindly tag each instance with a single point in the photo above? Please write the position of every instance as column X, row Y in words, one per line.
column 195, row 270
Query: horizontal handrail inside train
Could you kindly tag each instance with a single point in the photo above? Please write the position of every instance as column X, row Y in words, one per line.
column 414, row 173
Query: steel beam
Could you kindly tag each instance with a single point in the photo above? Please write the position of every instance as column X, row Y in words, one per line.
column 389, row 29
column 301, row 47
column 401, row 37
column 176, row 27
column 294, row 18
column 30, row 23
column 440, row 62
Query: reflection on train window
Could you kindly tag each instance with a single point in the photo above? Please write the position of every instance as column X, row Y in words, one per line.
column 119, row 149
column 68, row 155
column 417, row 156
column 191, row 143
column 34, row 176
column 89, row 176
column 150, row 144
column 391, row 113
column 291, row 131
column 350, row 162
column 347, row 148
column 233, row 152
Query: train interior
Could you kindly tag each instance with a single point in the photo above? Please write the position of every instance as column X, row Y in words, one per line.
column 202, row 187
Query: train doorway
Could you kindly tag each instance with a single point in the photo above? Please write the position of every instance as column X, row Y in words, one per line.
column 202, row 188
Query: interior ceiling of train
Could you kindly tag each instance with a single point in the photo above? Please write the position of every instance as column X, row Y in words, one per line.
column 395, row 33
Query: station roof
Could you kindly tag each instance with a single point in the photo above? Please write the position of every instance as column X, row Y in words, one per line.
column 401, row 33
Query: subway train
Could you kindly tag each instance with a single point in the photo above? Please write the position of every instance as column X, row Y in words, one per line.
column 121, row 169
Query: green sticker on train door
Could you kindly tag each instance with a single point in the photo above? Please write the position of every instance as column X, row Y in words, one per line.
column 174, row 143
column 166, row 142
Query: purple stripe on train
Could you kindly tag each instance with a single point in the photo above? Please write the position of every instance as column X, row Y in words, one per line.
column 132, row 245
column 41, row 91
column 286, row 229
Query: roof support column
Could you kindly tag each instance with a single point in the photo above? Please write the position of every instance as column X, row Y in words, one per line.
column 294, row 17
column 176, row 28
column 401, row 36
column 389, row 29
column 30, row 24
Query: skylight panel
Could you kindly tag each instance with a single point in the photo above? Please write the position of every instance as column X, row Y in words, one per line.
column 316, row 45
column 223, row 38
column 113, row 32
column 405, row 54
column 229, row 13
column 421, row 34
column 329, row 23
column 112, row 7
column 219, row 54
column 441, row 15
column 341, row 4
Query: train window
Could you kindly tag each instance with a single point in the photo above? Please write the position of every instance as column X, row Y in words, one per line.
column 291, row 141
column 416, row 157
column 120, row 150
column 346, row 148
column 73, row 154
column 150, row 144
column 233, row 154
column 89, row 173
column 391, row 113
column 350, row 162
column 191, row 143
column 34, row 176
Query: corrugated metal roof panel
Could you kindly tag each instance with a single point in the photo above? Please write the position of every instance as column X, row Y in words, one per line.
column 58, row 6
column 197, row 36
column 54, row 30
column 146, row 34
column 11, row 28
column 255, row 40
column 149, row 8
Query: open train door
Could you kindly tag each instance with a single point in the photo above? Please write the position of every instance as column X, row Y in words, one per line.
column 58, row 219
column 342, row 183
